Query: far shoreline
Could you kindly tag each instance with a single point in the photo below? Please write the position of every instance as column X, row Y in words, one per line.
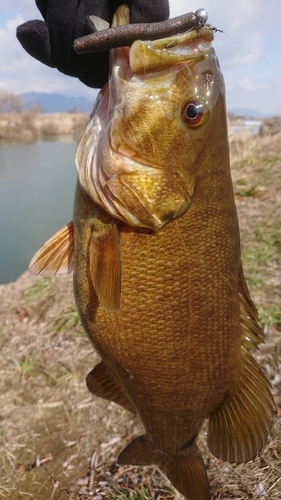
column 31, row 126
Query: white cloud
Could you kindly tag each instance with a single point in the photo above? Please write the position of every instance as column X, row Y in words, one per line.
column 255, row 94
column 26, row 8
column 22, row 73
column 245, row 84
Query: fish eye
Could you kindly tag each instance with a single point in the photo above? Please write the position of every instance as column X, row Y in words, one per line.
column 194, row 113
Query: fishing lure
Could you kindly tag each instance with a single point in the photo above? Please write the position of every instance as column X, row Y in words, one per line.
column 125, row 35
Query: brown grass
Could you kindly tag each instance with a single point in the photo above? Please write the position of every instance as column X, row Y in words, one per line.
column 59, row 442
column 32, row 125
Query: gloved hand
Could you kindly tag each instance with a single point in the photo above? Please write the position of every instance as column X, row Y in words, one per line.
column 51, row 42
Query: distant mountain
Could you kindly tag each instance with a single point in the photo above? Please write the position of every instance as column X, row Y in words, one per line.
column 57, row 103
column 246, row 113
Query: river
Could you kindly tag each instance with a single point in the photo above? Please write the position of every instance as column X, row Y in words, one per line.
column 37, row 183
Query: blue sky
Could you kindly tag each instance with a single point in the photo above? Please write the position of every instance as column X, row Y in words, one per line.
column 250, row 81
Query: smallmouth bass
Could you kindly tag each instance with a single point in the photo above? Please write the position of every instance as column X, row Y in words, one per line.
column 155, row 252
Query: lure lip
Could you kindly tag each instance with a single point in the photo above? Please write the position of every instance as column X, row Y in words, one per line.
column 125, row 35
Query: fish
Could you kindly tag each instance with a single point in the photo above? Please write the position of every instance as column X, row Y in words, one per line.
column 154, row 247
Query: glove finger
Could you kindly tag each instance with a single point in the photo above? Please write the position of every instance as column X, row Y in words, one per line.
column 42, row 5
column 149, row 11
column 61, row 20
column 92, row 69
column 34, row 37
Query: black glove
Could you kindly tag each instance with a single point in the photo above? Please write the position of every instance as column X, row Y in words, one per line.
column 51, row 42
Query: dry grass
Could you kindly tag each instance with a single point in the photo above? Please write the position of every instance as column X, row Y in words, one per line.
column 32, row 125
column 59, row 442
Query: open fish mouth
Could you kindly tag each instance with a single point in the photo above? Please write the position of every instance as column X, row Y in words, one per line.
column 122, row 163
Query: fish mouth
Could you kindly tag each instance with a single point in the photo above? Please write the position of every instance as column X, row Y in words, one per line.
column 149, row 56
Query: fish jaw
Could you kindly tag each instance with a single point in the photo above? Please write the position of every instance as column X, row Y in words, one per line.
column 136, row 157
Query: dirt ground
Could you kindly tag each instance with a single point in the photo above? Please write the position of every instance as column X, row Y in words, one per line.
column 59, row 442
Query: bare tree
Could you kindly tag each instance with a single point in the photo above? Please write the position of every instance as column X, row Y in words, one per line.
column 10, row 102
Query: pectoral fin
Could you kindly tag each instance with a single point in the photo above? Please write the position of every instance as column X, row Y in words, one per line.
column 56, row 255
column 105, row 264
column 186, row 473
column 239, row 428
column 101, row 382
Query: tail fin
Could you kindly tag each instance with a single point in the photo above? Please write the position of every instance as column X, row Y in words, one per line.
column 186, row 473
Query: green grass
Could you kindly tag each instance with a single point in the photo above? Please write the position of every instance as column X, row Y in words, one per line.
column 262, row 247
column 256, row 175
column 66, row 375
column 269, row 239
column 252, row 191
column 25, row 366
column 270, row 316
column 40, row 287
column 142, row 494
column 69, row 318
column 246, row 162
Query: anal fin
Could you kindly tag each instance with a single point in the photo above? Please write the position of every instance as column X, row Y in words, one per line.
column 186, row 473
column 101, row 382
column 138, row 452
column 55, row 257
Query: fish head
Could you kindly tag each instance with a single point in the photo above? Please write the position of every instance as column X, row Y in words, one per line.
column 140, row 155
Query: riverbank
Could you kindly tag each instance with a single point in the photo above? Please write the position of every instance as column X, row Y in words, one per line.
column 32, row 126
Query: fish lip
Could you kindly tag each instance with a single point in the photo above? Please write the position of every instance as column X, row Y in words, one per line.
column 182, row 38
column 149, row 56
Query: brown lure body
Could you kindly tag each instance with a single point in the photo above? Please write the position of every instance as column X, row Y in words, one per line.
column 155, row 250
column 120, row 36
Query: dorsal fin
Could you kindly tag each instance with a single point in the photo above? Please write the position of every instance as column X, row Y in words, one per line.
column 55, row 257
column 239, row 428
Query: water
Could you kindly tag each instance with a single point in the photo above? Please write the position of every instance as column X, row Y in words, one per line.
column 37, row 183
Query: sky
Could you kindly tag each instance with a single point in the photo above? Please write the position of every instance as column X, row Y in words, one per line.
column 250, row 27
